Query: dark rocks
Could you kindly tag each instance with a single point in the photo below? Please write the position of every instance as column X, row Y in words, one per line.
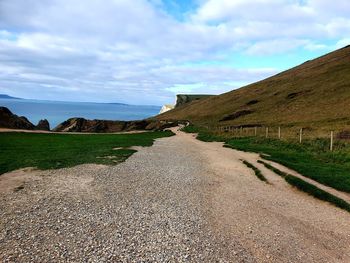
column 43, row 125
column 182, row 99
column 12, row 121
column 106, row 126
column 84, row 125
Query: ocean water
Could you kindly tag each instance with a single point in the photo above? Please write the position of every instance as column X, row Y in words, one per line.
column 57, row 111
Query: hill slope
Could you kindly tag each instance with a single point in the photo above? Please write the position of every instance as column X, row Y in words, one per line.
column 317, row 91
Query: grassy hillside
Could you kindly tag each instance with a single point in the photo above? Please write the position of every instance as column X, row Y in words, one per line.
column 316, row 93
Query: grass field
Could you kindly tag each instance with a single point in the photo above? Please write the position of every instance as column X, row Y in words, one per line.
column 53, row 151
column 312, row 158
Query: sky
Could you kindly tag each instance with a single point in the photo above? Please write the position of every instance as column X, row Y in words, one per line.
column 147, row 51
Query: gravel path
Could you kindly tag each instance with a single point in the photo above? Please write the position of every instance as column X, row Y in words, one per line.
column 180, row 200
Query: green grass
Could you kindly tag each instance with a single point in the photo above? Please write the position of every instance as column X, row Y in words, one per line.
column 256, row 171
column 203, row 134
column 311, row 159
column 309, row 188
column 53, row 151
column 191, row 129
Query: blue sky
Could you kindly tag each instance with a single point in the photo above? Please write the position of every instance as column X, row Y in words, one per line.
column 146, row 51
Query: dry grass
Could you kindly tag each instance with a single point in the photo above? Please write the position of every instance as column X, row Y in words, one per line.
column 315, row 94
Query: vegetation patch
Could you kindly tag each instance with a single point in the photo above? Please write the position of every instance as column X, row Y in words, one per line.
column 236, row 115
column 311, row 159
column 53, row 151
column 256, row 171
column 202, row 134
column 309, row 188
column 293, row 95
column 252, row 102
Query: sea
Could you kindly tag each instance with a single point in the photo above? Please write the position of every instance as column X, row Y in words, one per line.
column 58, row 111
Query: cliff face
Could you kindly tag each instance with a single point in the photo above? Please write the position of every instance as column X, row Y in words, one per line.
column 166, row 107
column 182, row 99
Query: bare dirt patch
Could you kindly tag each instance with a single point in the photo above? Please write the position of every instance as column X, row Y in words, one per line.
column 15, row 180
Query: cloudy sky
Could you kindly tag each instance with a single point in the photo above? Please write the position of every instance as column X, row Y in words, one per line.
column 146, row 51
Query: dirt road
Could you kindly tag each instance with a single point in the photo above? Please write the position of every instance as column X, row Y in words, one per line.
column 181, row 200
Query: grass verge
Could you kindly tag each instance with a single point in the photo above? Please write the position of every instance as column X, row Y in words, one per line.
column 311, row 159
column 256, row 171
column 53, row 151
column 309, row 188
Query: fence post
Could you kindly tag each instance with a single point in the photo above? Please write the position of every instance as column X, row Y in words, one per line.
column 331, row 147
column 279, row 132
column 255, row 131
column 267, row 132
column 301, row 135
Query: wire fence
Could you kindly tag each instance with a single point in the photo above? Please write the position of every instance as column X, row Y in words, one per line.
column 295, row 134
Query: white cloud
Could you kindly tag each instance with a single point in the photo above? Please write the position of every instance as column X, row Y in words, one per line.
column 268, row 10
column 342, row 43
column 134, row 50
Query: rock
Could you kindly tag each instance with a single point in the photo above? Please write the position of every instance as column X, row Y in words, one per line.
column 84, row 125
column 43, row 125
column 12, row 121
column 105, row 126
column 182, row 99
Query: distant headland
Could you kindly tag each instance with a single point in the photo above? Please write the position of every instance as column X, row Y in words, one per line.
column 5, row 96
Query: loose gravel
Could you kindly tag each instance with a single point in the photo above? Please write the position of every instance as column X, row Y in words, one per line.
column 180, row 200
column 148, row 209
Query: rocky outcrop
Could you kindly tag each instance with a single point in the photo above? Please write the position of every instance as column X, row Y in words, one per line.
column 182, row 99
column 43, row 125
column 105, row 126
column 12, row 121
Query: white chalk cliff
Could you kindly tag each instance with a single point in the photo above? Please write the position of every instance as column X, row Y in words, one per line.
column 166, row 107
